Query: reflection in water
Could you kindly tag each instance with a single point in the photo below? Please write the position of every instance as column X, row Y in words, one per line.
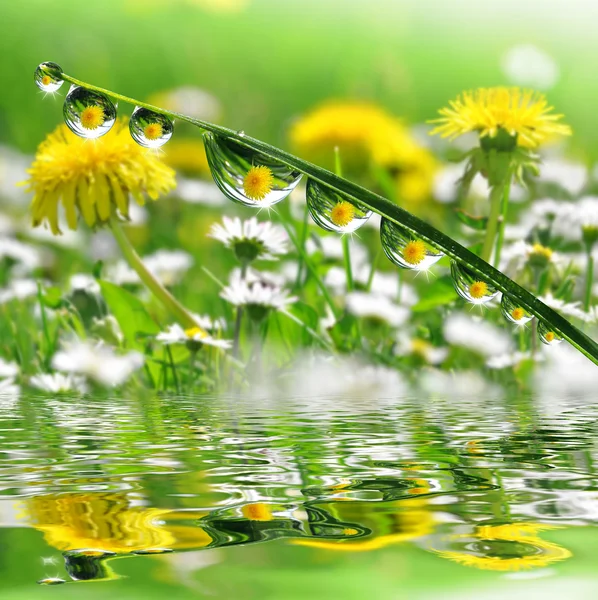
column 472, row 484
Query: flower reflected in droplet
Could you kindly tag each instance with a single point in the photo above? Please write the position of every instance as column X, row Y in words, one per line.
column 258, row 182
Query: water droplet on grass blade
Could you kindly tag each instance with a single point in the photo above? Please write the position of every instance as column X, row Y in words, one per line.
column 547, row 335
column 513, row 312
column 471, row 287
column 87, row 113
column 333, row 211
column 246, row 176
column 406, row 250
column 47, row 77
column 51, row 581
column 150, row 129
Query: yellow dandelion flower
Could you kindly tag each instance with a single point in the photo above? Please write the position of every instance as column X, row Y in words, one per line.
column 549, row 336
column 257, row 511
column 342, row 213
column 414, row 252
column 258, row 182
column 92, row 117
column 93, row 179
column 187, row 156
column 536, row 551
column 478, row 289
column 46, row 80
column 518, row 313
column 366, row 134
column 153, row 131
column 522, row 114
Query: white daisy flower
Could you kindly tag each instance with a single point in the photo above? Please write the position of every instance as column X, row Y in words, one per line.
column 516, row 256
column 82, row 282
column 194, row 337
column 258, row 295
column 196, row 191
column 407, row 345
column 206, row 322
column 58, row 383
column 251, row 240
column 510, row 359
column 168, row 266
column 26, row 257
column 376, row 306
column 570, row 176
column 97, row 362
column 568, row 309
column 477, row 334
column 18, row 289
column 8, row 369
column 527, row 65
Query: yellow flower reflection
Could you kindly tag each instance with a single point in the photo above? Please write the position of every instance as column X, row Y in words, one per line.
column 108, row 522
column 510, row 547
column 367, row 136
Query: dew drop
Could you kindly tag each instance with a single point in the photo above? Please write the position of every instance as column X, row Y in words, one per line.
column 87, row 113
column 547, row 335
column 47, row 77
column 51, row 581
column 406, row 250
column 241, row 133
column 150, row 129
column 333, row 211
column 470, row 286
column 246, row 176
column 513, row 312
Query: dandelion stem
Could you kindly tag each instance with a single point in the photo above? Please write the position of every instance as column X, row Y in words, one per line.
column 496, row 200
column 156, row 288
column 589, row 278
column 347, row 256
column 502, row 222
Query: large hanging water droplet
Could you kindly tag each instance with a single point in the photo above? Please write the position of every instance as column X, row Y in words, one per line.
column 513, row 312
column 333, row 211
column 406, row 250
column 150, row 129
column 470, row 286
column 87, row 113
column 47, row 77
column 246, row 176
column 547, row 335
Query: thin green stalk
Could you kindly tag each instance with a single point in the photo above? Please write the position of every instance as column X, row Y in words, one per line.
column 391, row 211
column 496, row 199
column 502, row 222
column 239, row 318
column 175, row 376
column 368, row 285
column 589, row 278
column 302, row 241
column 347, row 257
column 156, row 288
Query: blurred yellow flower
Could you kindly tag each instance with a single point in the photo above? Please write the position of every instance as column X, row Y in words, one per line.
column 535, row 552
column 366, row 136
column 186, row 156
column 257, row 511
column 525, row 115
column 107, row 522
column 93, row 178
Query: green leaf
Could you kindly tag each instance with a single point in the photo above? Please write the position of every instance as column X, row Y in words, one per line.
column 477, row 223
column 439, row 293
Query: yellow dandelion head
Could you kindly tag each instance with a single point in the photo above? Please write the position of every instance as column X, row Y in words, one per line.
column 187, row 156
column 518, row 313
column 258, row 511
column 46, row 80
column 92, row 117
column 549, row 336
column 153, row 131
column 522, row 114
column 93, row 179
column 258, row 182
column 342, row 213
column 414, row 252
column 194, row 332
column 478, row 289
column 420, row 347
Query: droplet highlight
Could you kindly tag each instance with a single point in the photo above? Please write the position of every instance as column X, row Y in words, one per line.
column 48, row 78
column 246, row 176
column 547, row 335
column 513, row 312
column 51, row 581
column 150, row 129
column 470, row 286
column 87, row 113
column 406, row 250
column 333, row 211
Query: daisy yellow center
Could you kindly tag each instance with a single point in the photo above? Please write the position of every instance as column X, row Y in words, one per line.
column 258, row 182
column 414, row 252
column 549, row 336
column 194, row 332
column 541, row 251
column 92, row 117
column 153, row 131
column 518, row 313
column 46, row 80
column 342, row 213
column 478, row 289
column 522, row 114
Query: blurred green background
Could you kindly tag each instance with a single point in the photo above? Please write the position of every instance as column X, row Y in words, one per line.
column 269, row 61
